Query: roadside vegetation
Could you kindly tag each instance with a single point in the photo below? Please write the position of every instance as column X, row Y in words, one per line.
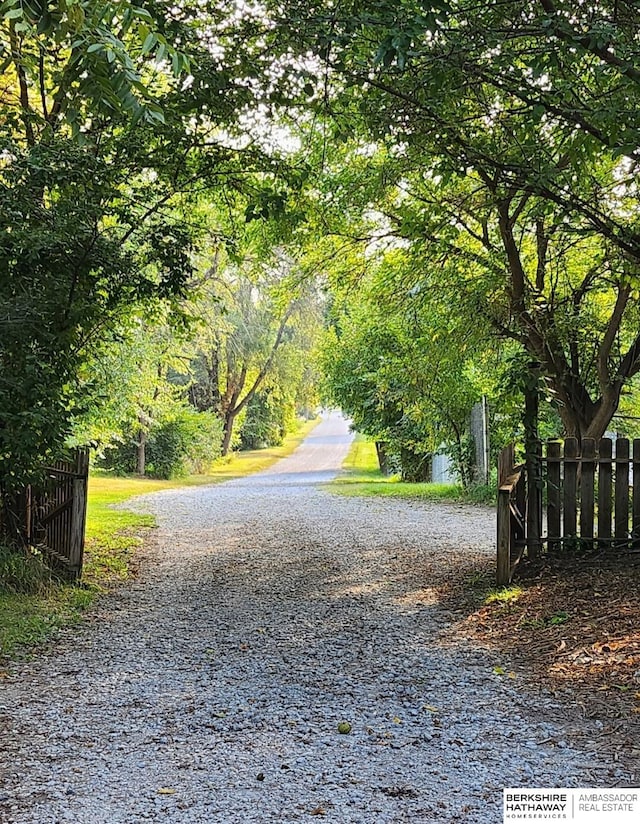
column 33, row 603
column 361, row 476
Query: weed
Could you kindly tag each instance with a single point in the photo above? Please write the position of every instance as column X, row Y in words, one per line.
column 557, row 618
column 23, row 571
column 504, row 595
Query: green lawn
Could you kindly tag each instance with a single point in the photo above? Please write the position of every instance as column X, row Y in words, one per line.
column 33, row 605
column 362, row 477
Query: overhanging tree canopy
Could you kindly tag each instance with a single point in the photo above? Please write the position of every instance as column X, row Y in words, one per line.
column 515, row 137
column 115, row 119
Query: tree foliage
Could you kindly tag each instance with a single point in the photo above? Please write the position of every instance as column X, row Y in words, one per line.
column 514, row 143
column 251, row 316
column 115, row 123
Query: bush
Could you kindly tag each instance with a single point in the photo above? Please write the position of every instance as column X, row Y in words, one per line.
column 23, row 571
column 268, row 420
column 183, row 443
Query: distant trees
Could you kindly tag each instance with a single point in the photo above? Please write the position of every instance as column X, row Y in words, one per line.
column 257, row 322
column 170, row 392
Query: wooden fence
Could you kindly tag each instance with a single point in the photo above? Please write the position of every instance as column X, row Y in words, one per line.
column 584, row 494
column 52, row 516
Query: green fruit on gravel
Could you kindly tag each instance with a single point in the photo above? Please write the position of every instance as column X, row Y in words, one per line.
column 344, row 727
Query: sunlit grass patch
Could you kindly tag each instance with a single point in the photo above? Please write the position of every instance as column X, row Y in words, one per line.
column 361, row 476
column 504, row 595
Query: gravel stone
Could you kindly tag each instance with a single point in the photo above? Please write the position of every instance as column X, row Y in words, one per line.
column 267, row 611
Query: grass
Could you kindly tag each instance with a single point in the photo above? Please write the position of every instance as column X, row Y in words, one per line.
column 362, row 477
column 33, row 603
column 504, row 595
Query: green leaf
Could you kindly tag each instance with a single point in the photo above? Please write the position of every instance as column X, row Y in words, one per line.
column 149, row 42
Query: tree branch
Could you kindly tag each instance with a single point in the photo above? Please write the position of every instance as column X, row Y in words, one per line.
column 604, row 352
column 22, row 83
column 267, row 364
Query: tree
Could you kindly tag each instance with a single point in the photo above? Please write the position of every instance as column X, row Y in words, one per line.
column 249, row 320
column 514, row 145
column 112, row 119
column 405, row 368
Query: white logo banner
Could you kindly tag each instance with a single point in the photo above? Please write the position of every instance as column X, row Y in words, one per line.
column 620, row 805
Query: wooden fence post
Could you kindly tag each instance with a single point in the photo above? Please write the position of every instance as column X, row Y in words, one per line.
column 570, row 490
column 503, row 570
column 78, row 514
column 587, row 501
column 534, row 499
column 605, row 474
column 635, row 521
column 621, row 517
column 554, row 507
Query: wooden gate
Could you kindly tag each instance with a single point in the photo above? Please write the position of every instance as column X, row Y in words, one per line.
column 51, row 517
column 585, row 495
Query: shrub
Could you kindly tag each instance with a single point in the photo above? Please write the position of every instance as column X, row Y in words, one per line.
column 268, row 420
column 23, row 571
column 183, row 443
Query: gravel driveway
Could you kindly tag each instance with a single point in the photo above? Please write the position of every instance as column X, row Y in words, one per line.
column 267, row 612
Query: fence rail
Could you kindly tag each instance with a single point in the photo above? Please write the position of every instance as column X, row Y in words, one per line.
column 586, row 492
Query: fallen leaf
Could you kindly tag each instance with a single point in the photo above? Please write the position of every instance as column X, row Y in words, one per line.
column 318, row 811
column 166, row 791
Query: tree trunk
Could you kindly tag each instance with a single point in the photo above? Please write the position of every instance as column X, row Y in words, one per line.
column 383, row 457
column 229, row 421
column 141, row 452
column 579, row 422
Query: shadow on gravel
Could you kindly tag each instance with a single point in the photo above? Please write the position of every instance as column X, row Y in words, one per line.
column 287, row 479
